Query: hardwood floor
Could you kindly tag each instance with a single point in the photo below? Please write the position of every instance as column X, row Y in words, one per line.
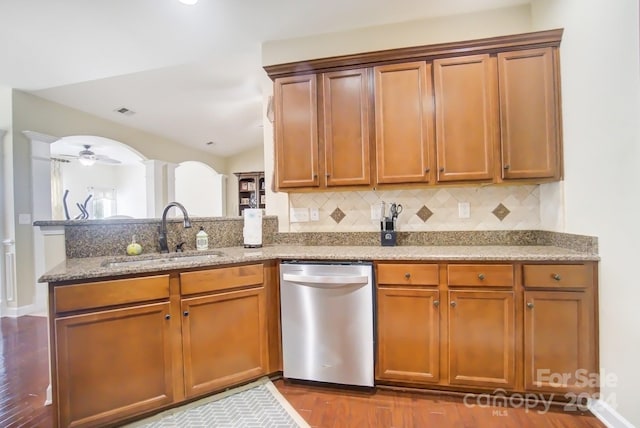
column 24, row 372
column 324, row 407
column 24, row 379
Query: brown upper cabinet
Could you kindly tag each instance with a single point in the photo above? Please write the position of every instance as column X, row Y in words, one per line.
column 529, row 114
column 477, row 111
column 465, row 117
column 345, row 120
column 296, row 129
column 322, row 136
column 404, row 122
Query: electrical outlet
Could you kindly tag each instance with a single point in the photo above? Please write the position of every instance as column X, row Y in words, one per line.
column 464, row 211
column 315, row 214
column 375, row 212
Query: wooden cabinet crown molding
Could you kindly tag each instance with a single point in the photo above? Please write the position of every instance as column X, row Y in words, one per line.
column 538, row 39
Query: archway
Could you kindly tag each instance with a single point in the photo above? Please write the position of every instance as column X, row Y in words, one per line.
column 110, row 184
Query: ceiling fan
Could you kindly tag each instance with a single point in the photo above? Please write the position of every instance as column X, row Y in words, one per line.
column 87, row 157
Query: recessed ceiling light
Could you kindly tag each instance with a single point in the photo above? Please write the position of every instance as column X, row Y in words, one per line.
column 189, row 2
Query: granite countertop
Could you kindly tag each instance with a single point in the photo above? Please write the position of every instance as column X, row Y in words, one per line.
column 98, row 267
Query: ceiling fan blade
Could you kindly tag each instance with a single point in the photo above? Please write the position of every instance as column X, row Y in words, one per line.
column 106, row 159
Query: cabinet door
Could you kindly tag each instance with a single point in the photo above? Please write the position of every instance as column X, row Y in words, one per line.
column 529, row 121
column 408, row 335
column 224, row 339
column 466, row 117
column 559, row 341
column 482, row 338
column 404, row 122
column 296, row 116
column 345, row 102
column 113, row 364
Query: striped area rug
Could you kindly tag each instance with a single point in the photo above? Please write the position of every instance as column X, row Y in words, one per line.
column 258, row 404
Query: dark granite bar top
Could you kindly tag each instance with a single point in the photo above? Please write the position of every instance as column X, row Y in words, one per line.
column 74, row 269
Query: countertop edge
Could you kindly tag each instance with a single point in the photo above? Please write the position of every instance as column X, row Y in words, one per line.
column 92, row 268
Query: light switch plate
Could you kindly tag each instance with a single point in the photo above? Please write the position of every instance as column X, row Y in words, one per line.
column 298, row 215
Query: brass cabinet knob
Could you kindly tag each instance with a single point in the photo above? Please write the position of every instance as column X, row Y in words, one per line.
column 556, row 277
column 185, row 313
column 480, row 276
column 453, row 303
column 442, row 169
column 507, row 166
column 327, row 175
column 167, row 317
column 407, row 275
column 530, row 305
column 436, row 303
column 426, row 170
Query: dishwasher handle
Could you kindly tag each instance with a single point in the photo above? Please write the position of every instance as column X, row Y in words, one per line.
column 326, row 279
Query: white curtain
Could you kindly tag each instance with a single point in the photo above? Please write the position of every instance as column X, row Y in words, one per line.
column 57, row 209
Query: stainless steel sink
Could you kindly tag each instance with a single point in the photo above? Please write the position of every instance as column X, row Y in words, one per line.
column 162, row 260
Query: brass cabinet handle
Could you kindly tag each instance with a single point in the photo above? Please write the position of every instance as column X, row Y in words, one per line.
column 556, row 277
column 167, row 317
column 427, row 170
column 453, row 303
column 530, row 305
column 436, row 303
column 442, row 169
column 507, row 166
column 480, row 276
column 407, row 275
column 185, row 313
column 327, row 175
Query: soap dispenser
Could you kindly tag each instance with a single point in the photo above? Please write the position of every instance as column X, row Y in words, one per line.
column 202, row 240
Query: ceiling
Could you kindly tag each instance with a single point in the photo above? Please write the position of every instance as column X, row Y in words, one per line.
column 191, row 74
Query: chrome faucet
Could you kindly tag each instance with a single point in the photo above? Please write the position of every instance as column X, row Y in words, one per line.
column 164, row 248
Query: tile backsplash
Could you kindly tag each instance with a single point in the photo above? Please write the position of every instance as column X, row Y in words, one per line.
column 490, row 208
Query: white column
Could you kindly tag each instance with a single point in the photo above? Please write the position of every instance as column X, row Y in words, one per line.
column 155, row 187
column 40, row 206
column 220, row 193
column 170, row 179
column 3, row 305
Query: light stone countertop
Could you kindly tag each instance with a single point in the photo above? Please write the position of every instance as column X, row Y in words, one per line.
column 95, row 267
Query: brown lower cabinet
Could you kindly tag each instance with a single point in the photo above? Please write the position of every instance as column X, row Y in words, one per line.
column 112, row 364
column 512, row 327
column 122, row 348
column 224, row 340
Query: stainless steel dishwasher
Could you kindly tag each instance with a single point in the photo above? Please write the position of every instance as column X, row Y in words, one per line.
column 327, row 322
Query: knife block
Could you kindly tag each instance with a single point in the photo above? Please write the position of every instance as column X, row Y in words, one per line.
column 388, row 238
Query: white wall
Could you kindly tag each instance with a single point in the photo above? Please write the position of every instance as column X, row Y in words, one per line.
column 196, row 189
column 601, row 109
column 131, row 196
column 128, row 180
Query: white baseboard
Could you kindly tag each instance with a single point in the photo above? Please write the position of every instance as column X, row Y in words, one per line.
column 32, row 309
column 608, row 415
column 49, row 398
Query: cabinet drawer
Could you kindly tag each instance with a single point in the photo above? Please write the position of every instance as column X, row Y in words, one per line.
column 220, row 279
column 480, row 275
column 100, row 294
column 558, row 276
column 408, row 274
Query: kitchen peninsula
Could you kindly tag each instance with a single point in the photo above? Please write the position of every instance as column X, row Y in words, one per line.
column 177, row 326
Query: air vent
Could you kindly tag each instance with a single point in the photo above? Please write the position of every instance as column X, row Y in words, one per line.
column 125, row 111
